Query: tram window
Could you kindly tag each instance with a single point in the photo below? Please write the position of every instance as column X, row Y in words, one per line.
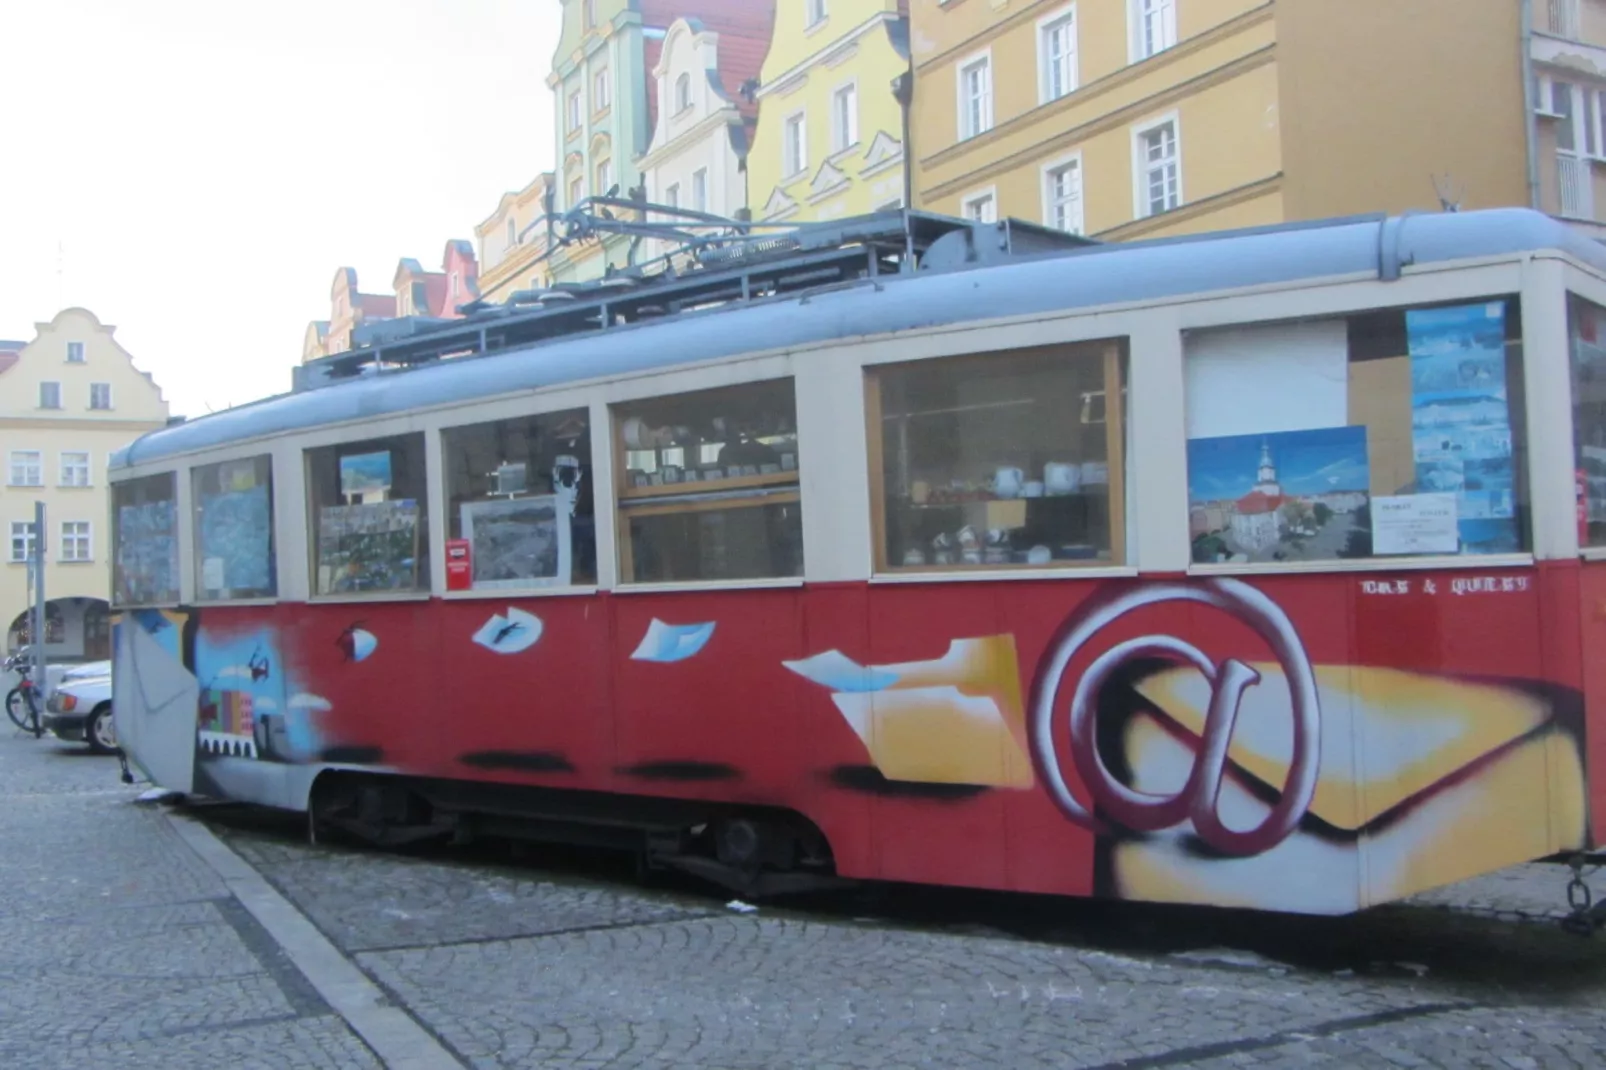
column 145, row 518
column 1000, row 460
column 519, row 501
column 1586, row 328
column 1393, row 433
column 708, row 485
column 370, row 532
column 233, row 506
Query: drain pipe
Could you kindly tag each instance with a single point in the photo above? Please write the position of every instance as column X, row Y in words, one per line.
column 1529, row 103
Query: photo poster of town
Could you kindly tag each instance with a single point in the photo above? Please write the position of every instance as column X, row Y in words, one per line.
column 147, row 552
column 1588, row 331
column 519, row 542
column 368, row 547
column 365, row 477
column 236, row 533
column 1282, row 496
column 1460, row 420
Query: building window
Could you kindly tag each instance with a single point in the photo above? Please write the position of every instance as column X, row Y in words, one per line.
column 574, row 113
column 1158, row 167
column 512, row 234
column 794, row 146
column 75, row 469
column 75, row 352
column 980, row 207
column 1056, row 55
column 682, row 92
column 27, row 468
column 699, row 189
column 1388, row 433
column 844, row 118
column 370, row 525
column 710, row 487
column 49, row 395
column 577, row 190
column 233, row 518
column 999, row 460
column 604, row 178
column 816, row 12
column 600, row 90
column 975, row 97
column 22, row 540
column 520, row 506
column 589, row 14
column 672, row 195
column 1062, row 196
column 1566, row 18
column 100, row 395
column 145, row 541
column 75, row 541
column 1153, row 27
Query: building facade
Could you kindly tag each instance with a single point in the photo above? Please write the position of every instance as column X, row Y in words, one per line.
column 829, row 141
column 414, row 292
column 68, row 399
column 1126, row 119
column 512, row 241
column 704, row 117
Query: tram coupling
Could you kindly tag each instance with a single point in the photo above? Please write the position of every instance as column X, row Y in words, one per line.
column 1584, row 916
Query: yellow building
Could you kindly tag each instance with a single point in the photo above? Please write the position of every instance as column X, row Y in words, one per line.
column 829, row 141
column 1144, row 118
column 68, row 399
column 512, row 240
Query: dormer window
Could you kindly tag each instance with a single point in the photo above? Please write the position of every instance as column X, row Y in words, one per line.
column 512, row 234
column 683, row 92
column 75, row 352
column 816, row 12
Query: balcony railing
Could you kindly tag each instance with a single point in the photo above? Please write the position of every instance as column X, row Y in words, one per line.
column 1577, row 187
column 1566, row 17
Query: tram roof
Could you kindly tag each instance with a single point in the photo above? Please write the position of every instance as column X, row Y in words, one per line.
column 1081, row 277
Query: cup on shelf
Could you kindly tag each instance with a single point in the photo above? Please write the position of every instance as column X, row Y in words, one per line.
column 1007, row 482
column 1032, row 489
column 1061, row 478
column 1039, row 555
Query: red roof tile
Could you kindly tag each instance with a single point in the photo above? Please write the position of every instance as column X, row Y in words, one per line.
column 744, row 28
column 1256, row 502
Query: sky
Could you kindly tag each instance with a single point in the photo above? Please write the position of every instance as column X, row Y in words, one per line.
column 1322, row 460
column 194, row 172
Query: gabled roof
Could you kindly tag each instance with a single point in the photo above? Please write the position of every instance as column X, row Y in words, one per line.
column 744, row 28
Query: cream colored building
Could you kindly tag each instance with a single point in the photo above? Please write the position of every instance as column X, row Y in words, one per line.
column 68, row 400
column 1126, row 119
column 513, row 243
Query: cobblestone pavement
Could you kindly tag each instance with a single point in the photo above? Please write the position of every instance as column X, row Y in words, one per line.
column 124, row 950
column 120, row 948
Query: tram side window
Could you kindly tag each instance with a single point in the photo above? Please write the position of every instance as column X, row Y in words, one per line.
column 145, row 519
column 370, row 533
column 708, row 485
column 1586, row 328
column 1393, row 433
column 233, row 506
column 999, row 461
column 519, row 502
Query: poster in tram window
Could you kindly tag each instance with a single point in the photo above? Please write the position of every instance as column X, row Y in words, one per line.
column 365, row 475
column 1589, row 405
column 147, row 553
column 520, row 542
column 1460, row 419
column 368, row 547
column 235, row 534
column 1285, row 496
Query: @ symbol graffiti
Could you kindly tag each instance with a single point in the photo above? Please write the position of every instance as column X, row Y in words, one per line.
column 1198, row 800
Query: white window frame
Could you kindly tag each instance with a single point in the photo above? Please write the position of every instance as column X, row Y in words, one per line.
column 682, row 93
column 65, row 468
column 600, row 95
column 984, row 60
column 110, row 403
column 577, row 189
column 844, row 127
column 1167, row 10
column 989, row 195
column 790, row 167
column 49, row 382
column 1049, row 170
column 1140, row 170
column 76, row 540
column 672, row 195
column 1065, row 16
column 75, row 353
column 20, row 465
column 815, row 12
column 23, row 542
column 699, row 190
column 576, row 113
column 603, row 176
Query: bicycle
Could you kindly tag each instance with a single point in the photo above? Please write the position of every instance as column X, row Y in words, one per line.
column 23, row 701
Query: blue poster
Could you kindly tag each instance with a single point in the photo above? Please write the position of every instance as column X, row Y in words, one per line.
column 1460, row 419
column 236, row 546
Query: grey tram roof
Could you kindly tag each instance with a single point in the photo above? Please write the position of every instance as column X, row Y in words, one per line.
column 1085, row 276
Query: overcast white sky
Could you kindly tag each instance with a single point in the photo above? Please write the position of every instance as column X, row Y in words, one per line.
column 205, row 166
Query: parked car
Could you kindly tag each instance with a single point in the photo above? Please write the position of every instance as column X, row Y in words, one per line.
column 81, row 707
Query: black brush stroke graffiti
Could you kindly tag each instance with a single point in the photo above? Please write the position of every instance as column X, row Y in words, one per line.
column 681, row 770
column 353, row 754
column 869, row 780
column 520, row 761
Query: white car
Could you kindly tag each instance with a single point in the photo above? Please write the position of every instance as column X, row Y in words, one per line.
column 81, row 707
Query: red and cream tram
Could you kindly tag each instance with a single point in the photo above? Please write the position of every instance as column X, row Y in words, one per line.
column 1263, row 569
